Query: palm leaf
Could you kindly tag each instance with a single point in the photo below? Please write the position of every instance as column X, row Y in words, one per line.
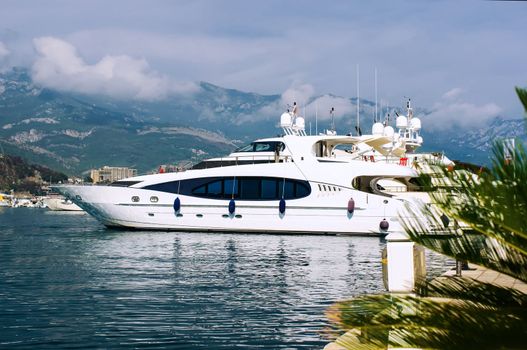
column 522, row 94
column 454, row 312
column 435, row 322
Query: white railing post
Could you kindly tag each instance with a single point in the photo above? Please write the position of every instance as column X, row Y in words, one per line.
column 400, row 265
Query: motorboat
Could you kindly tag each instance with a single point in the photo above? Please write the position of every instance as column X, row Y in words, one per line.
column 58, row 202
column 295, row 183
column 5, row 200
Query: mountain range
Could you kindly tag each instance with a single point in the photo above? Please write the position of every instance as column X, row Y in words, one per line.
column 74, row 133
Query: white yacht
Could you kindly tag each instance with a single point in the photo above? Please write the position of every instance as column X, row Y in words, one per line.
column 323, row 184
column 59, row 203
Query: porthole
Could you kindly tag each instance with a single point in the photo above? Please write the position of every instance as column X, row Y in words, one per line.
column 225, row 216
column 79, row 198
column 135, row 199
column 199, row 215
column 150, row 214
column 179, row 215
column 385, row 201
column 154, row 199
column 238, row 216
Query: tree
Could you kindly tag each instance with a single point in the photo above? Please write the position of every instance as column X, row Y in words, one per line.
column 457, row 312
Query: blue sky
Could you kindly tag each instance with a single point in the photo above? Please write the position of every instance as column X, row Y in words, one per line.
column 467, row 54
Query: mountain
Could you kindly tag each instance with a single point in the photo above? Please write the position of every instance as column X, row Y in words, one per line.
column 475, row 145
column 20, row 176
column 74, row 133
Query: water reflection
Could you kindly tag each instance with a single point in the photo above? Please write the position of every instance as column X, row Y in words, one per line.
column 67, row 282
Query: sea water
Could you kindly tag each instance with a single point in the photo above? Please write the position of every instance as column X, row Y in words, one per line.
column 66, row 281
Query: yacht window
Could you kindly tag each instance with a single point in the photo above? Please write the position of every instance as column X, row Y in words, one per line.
column 247, row 148
column 269, row 146
column 250, row 188
column 124, row 183
column 319, row 187
column 288, row 189
column 263, row 147
column 302, row 190
column 269, row 189
column 200, row 190
column 244, row 188
column 170, row 187
column 230, row 188
column 214, row 189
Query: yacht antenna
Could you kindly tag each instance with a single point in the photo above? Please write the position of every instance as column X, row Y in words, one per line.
column 316, row 117
column 358, row 102
column 332, row 114
column 381, row 106
column 375, row 118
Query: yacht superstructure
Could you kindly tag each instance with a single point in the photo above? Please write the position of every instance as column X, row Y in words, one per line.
column 323, row 184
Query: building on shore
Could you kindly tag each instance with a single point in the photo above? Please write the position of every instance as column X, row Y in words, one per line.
column 108, row 174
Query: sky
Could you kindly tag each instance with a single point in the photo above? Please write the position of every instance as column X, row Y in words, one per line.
column 460, row 59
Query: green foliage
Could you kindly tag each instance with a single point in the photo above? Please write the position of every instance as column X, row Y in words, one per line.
column 18, row 175
column 456, row 312
column 522, row 94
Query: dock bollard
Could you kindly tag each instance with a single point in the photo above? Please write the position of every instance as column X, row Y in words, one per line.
column 404, row 263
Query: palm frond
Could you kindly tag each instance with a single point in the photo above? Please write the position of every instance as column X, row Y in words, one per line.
column 494, row 207
column 477, row 218
column 522, row 94
column 434, row 322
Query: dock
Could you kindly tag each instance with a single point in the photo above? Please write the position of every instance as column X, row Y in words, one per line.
column 474, row 272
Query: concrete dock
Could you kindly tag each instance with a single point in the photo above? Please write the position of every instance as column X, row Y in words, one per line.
column 475, row 272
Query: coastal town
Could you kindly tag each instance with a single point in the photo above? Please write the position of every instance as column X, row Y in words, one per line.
column 33, row 189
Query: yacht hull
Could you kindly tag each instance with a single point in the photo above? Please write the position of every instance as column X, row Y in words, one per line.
column 114, row 207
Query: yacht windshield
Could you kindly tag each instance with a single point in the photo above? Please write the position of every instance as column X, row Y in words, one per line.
column 269, row 146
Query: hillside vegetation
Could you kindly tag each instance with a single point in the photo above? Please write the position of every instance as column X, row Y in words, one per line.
column 20, row 176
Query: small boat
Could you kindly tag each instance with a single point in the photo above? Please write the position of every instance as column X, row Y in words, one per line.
column 60, row 203
column 5, row 200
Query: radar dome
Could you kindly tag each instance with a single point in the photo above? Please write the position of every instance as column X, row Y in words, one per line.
column 285, row 120
column 416, row 123
column 377, row 129
column 300, row 123
column 388, row 131
column 401, row 122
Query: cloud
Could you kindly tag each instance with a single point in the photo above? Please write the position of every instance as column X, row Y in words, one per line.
column 453, row 93
column 4, row 52
column 310, row 106
column 297, row 93
column 59, row 66
column 323, row 104
column 4, row 56
column 453, row 112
